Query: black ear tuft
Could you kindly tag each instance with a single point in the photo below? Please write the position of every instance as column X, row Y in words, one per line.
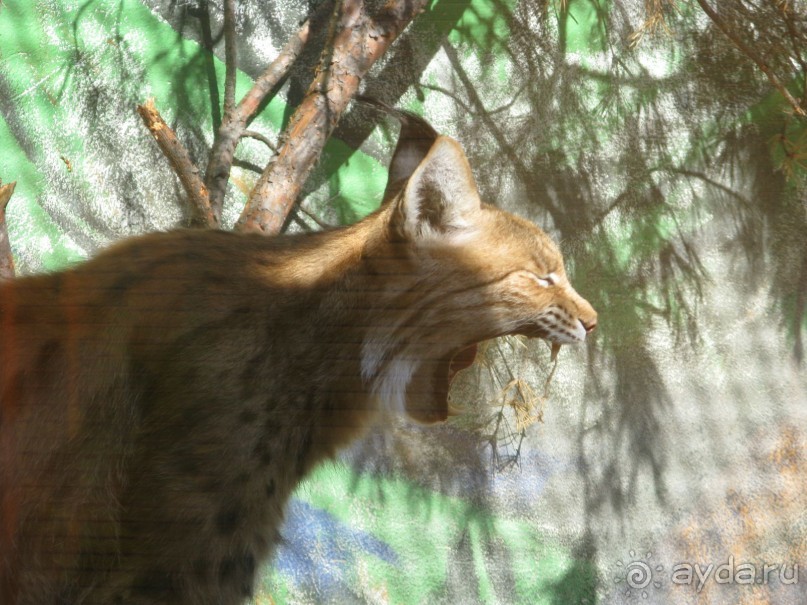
column 415, row 139
column 414, row 142
column 440, row 197
column 439, row 191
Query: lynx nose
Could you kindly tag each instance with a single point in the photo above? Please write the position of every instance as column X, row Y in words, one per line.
column 586, row 314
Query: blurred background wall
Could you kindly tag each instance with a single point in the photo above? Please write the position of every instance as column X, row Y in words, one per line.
column 663, row 162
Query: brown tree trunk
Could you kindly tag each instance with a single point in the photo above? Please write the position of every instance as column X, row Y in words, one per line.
column 357, row 43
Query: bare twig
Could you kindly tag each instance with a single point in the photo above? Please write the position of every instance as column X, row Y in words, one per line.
column 451, row 95
column 259, row 137
column 749, row 52
column 233, row 124
column 797, row 40
column 181, row 162
column 358, row 41
column 478, row 106
column 230, row 60
column 6, row 259
column 314, row 217
column 713, row 183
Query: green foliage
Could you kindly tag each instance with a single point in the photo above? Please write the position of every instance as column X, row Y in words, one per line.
column 72, row 73
column 542, row 568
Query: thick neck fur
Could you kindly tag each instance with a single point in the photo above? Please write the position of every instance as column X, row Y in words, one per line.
column 382, row 312
column 382, row 300
column 384, row 305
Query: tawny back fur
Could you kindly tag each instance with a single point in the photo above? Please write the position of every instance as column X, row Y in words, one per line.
column 160, row 402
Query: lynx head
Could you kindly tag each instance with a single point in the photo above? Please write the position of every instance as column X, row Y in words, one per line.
column 457, row 272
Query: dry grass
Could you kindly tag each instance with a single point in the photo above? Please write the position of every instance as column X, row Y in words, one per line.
column 515, row 405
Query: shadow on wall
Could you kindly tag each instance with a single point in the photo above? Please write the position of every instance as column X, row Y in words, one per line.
column 626, row 167
column 622, row 160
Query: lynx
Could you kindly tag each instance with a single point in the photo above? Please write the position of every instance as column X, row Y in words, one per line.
column 160, row 402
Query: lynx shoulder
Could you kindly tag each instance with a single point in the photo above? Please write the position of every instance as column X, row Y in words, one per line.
column 159, row 403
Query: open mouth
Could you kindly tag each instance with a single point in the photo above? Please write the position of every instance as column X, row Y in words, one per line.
column 435, row 407
column 453, row 363
column 461, row 360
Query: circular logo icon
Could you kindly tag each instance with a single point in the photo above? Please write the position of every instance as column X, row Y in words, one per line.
column 638, row 575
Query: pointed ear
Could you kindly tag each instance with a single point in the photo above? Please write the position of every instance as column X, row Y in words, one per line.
column 441, row 195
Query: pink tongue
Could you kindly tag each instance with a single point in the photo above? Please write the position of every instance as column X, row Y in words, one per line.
column 461, row 360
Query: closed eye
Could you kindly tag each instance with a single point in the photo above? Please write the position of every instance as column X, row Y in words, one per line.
column 546, row 281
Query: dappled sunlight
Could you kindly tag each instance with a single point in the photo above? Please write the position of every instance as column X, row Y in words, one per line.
column 668, row 168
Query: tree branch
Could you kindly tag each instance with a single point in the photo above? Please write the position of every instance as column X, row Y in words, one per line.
column 358, row 41
column 251, row 134
column 232, row 127
column 185, row 169
column 230, row 60
column 798, row 42
column 314, row 217
column 6, row 259
column 748, row 52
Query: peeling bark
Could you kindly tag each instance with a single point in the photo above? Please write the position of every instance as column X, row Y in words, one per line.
column 358, row 42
